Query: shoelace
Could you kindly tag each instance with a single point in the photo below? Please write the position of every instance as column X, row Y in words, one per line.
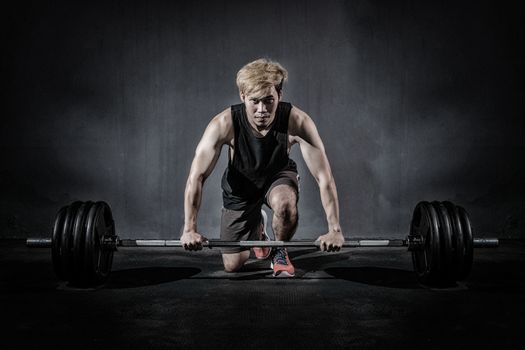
column 280, row 256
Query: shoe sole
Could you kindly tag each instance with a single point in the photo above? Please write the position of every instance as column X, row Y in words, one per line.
column 283, row 274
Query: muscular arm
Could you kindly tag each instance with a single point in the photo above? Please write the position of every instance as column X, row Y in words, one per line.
column 206, row 155
column 304, row 132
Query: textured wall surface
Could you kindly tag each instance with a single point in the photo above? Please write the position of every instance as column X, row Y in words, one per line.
column 413, row 100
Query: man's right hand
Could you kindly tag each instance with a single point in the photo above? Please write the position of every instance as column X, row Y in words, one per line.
column 192, row 240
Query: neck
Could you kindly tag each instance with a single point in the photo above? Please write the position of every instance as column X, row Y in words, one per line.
column 261, row 130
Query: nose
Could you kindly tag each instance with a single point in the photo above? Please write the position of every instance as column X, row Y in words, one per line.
column 261, row 107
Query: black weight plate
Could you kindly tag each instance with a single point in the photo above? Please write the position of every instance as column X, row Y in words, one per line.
column 65, row 244
column 435, row 268
column 419, row 227
column 425, row 260
column 105, row 226
column 90, row 269
column 468, row 240
column 56, row 240
column 457, row 241
column 75, row 233
column 100, row 259
column 79, row 233
column 447, row 273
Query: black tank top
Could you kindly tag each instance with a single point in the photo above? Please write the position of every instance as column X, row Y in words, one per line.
column 256, row 160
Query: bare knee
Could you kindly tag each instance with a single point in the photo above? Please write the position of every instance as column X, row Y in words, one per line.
column 233, row 262
column 285, row 210
column 232, row 266
column 283, row 201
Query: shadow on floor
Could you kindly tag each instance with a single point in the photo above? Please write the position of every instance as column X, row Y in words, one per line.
column 296, row 253
column 19, row 277
column 148, row 276
column 504, row 276
column 304, row 264
column 376, row 276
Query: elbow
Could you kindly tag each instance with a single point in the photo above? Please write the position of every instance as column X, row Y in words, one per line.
column 195, row 180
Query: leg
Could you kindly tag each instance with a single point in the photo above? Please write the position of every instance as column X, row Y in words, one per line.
column 282, row 198
column 239, row 225
column 283, row 202
column 234, row 261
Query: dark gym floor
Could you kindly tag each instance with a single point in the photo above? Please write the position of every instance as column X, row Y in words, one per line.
column 161, row 298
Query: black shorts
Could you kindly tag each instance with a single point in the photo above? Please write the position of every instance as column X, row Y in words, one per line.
column 244, row 224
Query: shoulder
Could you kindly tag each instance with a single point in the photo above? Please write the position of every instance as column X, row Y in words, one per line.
column 298, row 121
column 223, row 120
column 221, row 125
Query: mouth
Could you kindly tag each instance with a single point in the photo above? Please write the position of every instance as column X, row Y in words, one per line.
column 261, row 120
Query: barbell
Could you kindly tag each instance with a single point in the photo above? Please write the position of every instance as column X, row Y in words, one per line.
column 83, row 242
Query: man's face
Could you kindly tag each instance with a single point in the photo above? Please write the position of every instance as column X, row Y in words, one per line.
column 261, row 107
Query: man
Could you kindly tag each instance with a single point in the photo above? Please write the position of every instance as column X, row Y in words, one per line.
column 259, row 134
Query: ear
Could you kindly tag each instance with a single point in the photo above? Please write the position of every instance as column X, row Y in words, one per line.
column 242, row 96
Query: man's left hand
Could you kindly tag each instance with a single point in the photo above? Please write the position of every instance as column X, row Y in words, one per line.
column 331, row 241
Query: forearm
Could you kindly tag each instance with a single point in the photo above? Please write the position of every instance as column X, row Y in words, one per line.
column 330, row 203
column 192, row 202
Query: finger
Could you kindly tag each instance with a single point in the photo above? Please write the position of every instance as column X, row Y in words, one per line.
column 323, row 246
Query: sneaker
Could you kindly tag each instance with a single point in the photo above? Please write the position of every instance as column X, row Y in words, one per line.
column 263, row 252
column 281, row 265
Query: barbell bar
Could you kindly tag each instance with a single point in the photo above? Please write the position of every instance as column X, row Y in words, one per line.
column 83, row 242
column 349, row 243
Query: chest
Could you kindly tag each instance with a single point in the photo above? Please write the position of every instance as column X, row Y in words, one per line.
column 231, row 145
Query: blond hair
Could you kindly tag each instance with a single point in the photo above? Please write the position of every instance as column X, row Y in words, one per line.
column 260, row 75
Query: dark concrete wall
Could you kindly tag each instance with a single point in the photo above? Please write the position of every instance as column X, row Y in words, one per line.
column 414, row 100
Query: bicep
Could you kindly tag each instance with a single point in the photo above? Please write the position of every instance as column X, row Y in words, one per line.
column 207, row 152
column 316, row 161
column 313, row 150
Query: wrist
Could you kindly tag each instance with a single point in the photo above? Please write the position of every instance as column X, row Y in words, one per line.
column 189, row 229
column 335, row 229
